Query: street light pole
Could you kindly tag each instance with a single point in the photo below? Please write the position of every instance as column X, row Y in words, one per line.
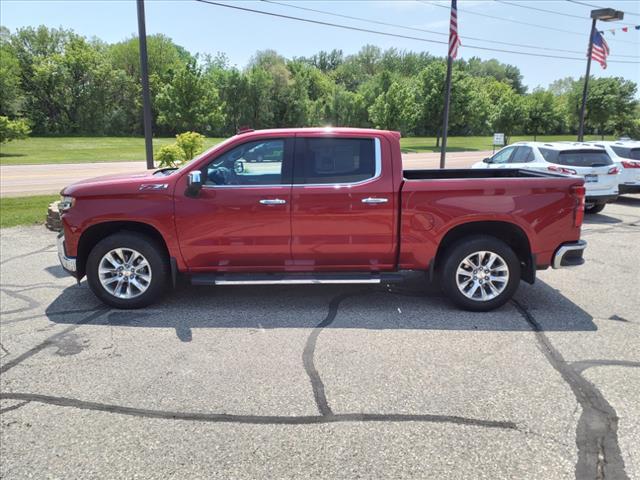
column 586, row 83
column 144, row 77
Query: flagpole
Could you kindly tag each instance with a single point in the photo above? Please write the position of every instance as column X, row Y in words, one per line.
column 586, row 83
column 445, row 121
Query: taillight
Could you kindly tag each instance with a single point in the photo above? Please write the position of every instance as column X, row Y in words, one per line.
column 613, row 171
column 565, row 171
column 626, row 164
column 578, row 192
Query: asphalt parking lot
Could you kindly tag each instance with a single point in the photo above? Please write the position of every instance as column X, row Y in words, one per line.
column 324, row 381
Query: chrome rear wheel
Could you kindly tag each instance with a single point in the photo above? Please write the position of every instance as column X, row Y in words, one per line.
column 482, row 276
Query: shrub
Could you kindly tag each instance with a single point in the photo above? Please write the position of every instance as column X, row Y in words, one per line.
column 170, row 156
column 190, row 143
column 13, row 129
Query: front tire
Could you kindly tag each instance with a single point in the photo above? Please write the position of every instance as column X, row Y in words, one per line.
column 480, row 273
column 128, row 270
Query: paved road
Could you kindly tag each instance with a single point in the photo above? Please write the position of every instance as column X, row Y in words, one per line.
column 19, row 180
column 324, row 381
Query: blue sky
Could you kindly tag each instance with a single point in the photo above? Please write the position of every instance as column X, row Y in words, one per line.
column 208, row 29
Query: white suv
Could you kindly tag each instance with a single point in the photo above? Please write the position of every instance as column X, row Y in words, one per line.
column 588, row 161
column 626, row 155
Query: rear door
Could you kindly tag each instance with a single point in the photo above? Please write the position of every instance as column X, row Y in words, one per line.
column 521, row 157
column 343, row 215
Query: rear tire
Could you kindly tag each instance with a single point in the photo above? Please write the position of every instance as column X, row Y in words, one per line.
column 595, row 208
column 128, row 270
column 480, row 273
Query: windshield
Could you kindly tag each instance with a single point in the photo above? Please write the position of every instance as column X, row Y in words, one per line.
column 577, row 158
column 627, row 152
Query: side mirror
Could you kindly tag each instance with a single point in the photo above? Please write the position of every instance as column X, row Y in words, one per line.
column 194, row 183
column 238, row 166
column 487, row 160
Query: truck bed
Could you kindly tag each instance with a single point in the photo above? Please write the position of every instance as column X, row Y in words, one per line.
column 439, row 174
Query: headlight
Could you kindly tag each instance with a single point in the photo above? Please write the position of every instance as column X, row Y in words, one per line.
column 66, row 203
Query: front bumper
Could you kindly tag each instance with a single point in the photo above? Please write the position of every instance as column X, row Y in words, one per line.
column 569, row 254
column 68, row 263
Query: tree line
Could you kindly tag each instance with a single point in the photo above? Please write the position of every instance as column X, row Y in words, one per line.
column 61, row 83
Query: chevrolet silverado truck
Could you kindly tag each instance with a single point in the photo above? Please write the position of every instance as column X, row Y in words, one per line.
column 325, row 205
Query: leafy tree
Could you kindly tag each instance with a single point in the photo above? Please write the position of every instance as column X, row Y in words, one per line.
column 13, row 129
column 542, row 115
column 508, row 112
column 397, row 108
column 11, row 95
column 190, row 102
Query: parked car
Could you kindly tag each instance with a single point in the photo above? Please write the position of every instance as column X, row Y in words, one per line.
column 626, row 155
column 589, row 162
column 334, row 207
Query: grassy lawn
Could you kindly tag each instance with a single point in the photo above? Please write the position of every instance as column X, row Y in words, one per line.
column 24, row 210
column 41, row 150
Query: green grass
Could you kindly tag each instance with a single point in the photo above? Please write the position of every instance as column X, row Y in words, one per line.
column 24, row 210
column 41, row 150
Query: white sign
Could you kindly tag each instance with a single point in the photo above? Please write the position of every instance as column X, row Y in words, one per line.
column 498, row 138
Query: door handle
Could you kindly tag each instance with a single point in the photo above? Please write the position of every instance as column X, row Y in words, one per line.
column 272, row 201
column 374, row 201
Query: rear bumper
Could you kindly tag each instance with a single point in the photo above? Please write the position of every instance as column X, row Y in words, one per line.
column 629, row 188
column 68, row 263
column 600, row 198
column 569, row 254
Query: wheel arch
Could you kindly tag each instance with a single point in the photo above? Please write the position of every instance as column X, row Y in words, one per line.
column 510, row 233
column 92, row 235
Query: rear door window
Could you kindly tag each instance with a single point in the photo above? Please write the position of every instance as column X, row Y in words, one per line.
column 522, row 155
column 627, row 152
column 335, row 160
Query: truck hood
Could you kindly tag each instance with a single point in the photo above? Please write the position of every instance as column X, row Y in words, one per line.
column 118, row 179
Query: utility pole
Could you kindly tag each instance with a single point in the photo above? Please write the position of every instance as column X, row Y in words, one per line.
column 586, row 83
column 144, row 74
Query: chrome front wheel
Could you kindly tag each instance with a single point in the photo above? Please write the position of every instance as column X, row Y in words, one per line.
column 482, row 276
column 124, row 273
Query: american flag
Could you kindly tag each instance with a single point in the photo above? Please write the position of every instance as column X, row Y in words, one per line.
column 599, row 49
column 454, row 39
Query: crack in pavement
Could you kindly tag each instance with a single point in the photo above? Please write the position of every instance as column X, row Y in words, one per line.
column 581, row 365
column 599, row 453
column 254, row 419
column 14, row 407
column 35, row 252
column 50, row 340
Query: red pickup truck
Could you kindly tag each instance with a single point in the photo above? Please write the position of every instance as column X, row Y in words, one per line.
column 322, row 205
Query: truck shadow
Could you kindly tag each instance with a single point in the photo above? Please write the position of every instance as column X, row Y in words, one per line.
column 409, row 305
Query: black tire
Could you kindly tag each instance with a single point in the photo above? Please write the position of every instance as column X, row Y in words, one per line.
column 155, row 256
column 595, row 208
column 454, row 255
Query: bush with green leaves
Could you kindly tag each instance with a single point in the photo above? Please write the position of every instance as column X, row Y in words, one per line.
column 170, row 156
column 13, row 129
column 190, row 143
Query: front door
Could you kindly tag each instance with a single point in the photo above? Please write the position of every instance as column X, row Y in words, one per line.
column 241, row 221
column 344, row 208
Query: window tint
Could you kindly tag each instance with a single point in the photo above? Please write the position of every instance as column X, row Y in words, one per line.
column 503, row 155
column 253, row 163
column 627, row 152
column 577, row 158
column 522, row 155
column 335, row 160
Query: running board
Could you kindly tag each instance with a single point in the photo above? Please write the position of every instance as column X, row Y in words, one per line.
column 292, row 278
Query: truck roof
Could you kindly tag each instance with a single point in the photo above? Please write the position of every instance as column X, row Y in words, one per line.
column 335, row 130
